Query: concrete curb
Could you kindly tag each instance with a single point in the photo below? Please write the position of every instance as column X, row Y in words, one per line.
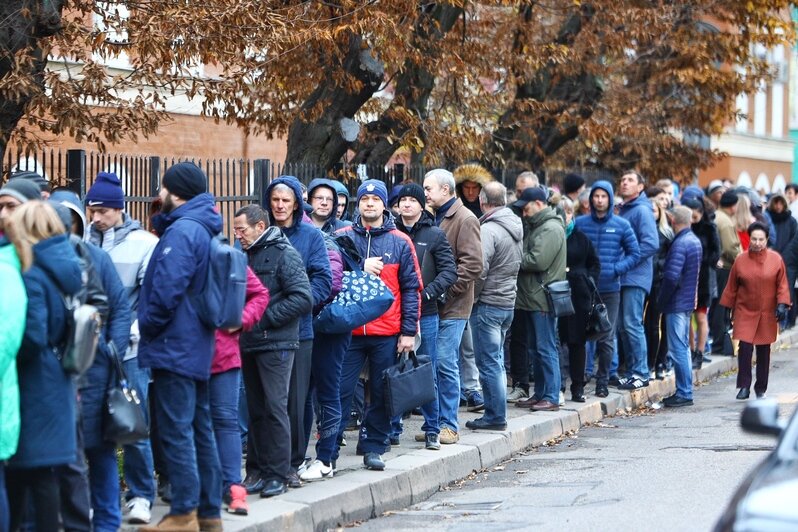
column 414, row 476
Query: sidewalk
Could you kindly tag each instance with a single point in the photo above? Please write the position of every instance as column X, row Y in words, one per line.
column 412, row 473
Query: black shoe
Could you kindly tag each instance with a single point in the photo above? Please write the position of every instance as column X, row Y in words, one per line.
column 353, row 423
column 676, row 401
column 615, row 381
column 760, row 395
column 373, row 461
column 660, row 372
column 744, row 393
column 705, row 359
column 602, row 391
column 481, row 424
column 293, row 479
column 253, row 483
column 395, row 441
column 273, row 487
column 633, row 384
column 697, row 359
column 432, row 442
column 578, row 396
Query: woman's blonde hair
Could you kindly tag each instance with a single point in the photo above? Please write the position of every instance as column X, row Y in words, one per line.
column 743, row 217
column 32, row 222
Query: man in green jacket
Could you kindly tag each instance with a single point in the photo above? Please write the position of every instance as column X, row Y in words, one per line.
column 534, row 323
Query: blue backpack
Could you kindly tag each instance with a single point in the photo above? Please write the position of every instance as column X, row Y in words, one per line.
column 220, row 304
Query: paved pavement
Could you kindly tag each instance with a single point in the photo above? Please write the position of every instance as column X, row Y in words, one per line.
column 413, row 474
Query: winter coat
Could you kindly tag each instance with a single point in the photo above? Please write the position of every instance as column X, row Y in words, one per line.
column 730, row 247
column 757, row 283
column 228, row 352
column 131, row 252
column 639, row 214
column 309, row 242
column 435, row 258
column 173, row 337
column 707, row 235
column 680, row 275
column 13, row 306
column 786, row 227
column 279, row 268
column 614, row 240
column 659, row 261
column 47, row 394
column 502, row 235
column 583, row 266
column 400, row 273
column 542, row 261
column 116, row 329
column 333, row 223
column 476, row 174
column 462, row 232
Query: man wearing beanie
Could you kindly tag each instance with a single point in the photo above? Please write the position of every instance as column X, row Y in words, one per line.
column 178, row 347
column 720, row 319
column 285, row 206
column 13, row 194
column 388, row 254
column 130, row 248
column 462, row 231
column 40, row 182
column 438, row 273
column 572, row 186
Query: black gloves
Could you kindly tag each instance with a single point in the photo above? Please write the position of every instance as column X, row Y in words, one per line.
column 781, row 312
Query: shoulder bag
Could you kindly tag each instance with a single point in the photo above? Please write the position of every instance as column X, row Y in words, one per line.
column 123, row 416
column 598, row 321
column 408, row 384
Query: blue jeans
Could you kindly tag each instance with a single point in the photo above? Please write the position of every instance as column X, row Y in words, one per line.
column 542, row 330
column 677, row 326
column 632, row 332
column 224, row 413
column 489, row 327
column 380, row 352
column 450, row 332
column 429, row 347
column 186, row 433
column 104, row 484
column 138, row 465
column 328, row 358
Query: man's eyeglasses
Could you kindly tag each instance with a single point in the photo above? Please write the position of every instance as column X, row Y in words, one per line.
column 322, row 199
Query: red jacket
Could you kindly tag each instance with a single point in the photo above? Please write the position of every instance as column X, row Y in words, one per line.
column 228, row 353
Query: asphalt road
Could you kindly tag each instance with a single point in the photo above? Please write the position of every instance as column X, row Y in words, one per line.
column 656, row 469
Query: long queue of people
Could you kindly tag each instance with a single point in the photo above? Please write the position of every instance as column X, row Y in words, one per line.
column 469, row 265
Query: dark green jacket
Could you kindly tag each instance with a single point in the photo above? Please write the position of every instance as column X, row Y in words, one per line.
column 543, row 259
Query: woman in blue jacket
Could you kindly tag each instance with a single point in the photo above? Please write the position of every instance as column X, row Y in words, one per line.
column 47, row 436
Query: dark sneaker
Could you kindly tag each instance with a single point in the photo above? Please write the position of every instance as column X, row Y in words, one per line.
column 373, row 461
column 432, row 442
column 395, row 441
column 614, row 381
column 481, row 424
column 676, row 401
column 602, row 391
column 253, row 483
column 293, row 479
column 633, row 384
column 660, row 372
column 475, row 403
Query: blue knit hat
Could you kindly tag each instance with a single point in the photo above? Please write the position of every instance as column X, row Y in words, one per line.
column 106, row 192
column 375, row 187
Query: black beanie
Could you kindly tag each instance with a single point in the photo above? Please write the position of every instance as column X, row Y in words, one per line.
column 572, row 183
column 185, row 180
column 728, row 198
column 415, row 191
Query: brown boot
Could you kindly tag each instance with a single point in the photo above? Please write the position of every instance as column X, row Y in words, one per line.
column 176, row 523
column 210, row 524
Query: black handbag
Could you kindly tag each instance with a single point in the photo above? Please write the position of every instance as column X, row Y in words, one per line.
column 408, row 384
column 558, row 295
column 598, row 321
column 123, row 416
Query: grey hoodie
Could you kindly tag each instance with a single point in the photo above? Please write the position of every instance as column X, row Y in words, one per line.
column 502, row 245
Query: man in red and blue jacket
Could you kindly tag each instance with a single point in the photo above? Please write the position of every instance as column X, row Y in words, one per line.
column 389, row 254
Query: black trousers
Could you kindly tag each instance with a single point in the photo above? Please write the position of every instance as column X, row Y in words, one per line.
column 656, row 339
column 745, row 354
column 74, row 485
column 267, row 375
column 36, row 488
column 297, row 395
column 719, row 317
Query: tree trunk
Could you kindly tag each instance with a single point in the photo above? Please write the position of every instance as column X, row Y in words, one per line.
column 325, row 140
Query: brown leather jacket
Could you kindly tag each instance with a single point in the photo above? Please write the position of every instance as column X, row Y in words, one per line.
column 462, row 232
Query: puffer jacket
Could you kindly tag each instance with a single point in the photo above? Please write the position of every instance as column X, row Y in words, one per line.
column 333, row 223
column 279, row 268
column 228, row 351
column 47, row 394
column 462, row 232
column 543, row 259
column 614, row 240
column 400, row 273
column 639, row 214
column 13, row 306
column 679, row 286
column 502, row 234
column 308, row 241
column 435, row 258
column 173, row 337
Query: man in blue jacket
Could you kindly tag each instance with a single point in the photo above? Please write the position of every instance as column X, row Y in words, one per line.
column 178, row 347
column 285, row 207
column 616, row 245
column 677, row 299
column 636, row 283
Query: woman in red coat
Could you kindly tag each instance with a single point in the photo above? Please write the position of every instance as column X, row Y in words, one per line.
column 759, row 298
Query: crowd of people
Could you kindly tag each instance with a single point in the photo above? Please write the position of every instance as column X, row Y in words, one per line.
column 470, row 265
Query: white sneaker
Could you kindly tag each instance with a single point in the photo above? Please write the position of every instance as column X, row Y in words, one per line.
column 562, row 399
column 516, row 394
column 138, row 511
column 317, row 471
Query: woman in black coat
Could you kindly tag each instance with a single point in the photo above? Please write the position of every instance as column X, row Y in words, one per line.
column 654, row 321
column 582, row 272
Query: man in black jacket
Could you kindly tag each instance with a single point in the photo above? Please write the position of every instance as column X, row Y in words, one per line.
column 268, row 349
column 438, row 273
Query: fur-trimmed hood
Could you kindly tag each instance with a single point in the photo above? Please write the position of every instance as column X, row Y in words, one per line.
column 472, row 172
